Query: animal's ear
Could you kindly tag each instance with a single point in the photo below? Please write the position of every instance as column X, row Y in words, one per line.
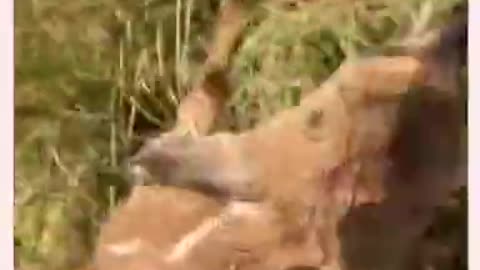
column 199, row 110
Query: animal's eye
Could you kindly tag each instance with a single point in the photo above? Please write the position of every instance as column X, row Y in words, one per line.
column 315, row 119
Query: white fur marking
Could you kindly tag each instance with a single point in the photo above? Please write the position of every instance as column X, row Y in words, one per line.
column 186, row 244
column 235, row 209
column 125, row 248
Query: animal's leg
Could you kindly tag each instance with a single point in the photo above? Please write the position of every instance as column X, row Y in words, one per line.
column 435, row 66
column 200, row 108
column 378, row 77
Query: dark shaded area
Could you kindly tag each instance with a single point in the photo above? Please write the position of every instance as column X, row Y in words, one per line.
column 417, row 227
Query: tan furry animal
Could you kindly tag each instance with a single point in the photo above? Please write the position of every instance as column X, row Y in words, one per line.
column 312, row 155
column 288, row 161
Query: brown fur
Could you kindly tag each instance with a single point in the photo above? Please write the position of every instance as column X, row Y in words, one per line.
column 296, row 174
column 327, row 154
column 160, row 217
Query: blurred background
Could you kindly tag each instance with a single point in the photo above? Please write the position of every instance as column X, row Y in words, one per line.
column 94, row 76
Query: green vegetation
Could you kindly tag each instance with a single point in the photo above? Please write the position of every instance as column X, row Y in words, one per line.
column 94, row 75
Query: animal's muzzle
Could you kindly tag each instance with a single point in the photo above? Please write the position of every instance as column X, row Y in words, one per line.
column 137, row 173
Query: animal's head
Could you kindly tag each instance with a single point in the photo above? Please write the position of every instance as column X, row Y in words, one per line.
column 157, row 159
column 213, row 164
